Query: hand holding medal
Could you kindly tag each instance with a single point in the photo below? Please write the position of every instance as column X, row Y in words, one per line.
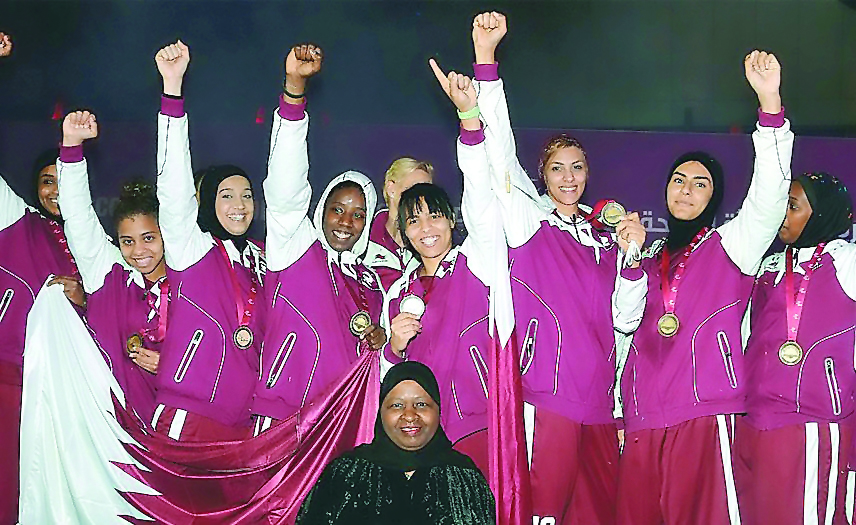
column 403, row 328
column 630, row 235
column 143, row 357
column 629, row 232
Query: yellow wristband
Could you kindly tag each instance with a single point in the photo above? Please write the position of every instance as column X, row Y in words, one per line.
column 472, row 113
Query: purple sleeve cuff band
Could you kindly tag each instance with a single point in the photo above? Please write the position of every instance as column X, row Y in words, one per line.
column 632, row 274
column 486, row 72
column 391, row 356
column 768, row 120
column 70, row 154
column 472, row 137
column 172, row 107
column 291, row 111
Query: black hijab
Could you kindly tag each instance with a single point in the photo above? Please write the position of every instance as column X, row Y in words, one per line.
column 831, row 209
column 385, row 453
column 45, row 159
column 681, row 232
column 209, row 181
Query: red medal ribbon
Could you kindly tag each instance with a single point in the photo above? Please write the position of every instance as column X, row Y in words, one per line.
column 61, row 240
column 245, row 312
column 359, row 296
column 160, row 332
column 794, row 302
column 670, row 289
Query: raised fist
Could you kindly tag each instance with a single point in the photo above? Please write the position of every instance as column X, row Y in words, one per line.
column 488, row 30
column 304, row 60
column 458, row 87
column 5, row 45
column 765, row 76
column 77, row 127
column 172, row 62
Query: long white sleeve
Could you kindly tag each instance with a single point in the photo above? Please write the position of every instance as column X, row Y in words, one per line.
column 521, row 206
column 287, row 194
column 747, row 237
column 92, row 250
column 628, row 299
column 184, row 242
column 480, row 212
column 12, row 206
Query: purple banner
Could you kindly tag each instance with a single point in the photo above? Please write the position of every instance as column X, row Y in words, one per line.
column 628, row 166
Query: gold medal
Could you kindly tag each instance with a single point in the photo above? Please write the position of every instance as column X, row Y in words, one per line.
column 134, row 342
column 668, row 325
column 243, row 337
column 790, row 353
column 412, row 304
column 359, row 323
column 611, row 214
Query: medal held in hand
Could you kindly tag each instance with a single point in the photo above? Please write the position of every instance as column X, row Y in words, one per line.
column 134, row 341
column 412, row 304
column 611, row 214
column 359, row 322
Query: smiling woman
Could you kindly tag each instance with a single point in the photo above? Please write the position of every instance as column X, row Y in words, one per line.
column 410, row 466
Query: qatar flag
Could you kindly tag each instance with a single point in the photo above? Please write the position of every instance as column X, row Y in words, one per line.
column 86, row 460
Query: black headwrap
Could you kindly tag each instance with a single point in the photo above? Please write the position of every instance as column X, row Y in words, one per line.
column 681, row 232
column 209, row 180
column 831, row 209
column 385, row 453
column 45, row 159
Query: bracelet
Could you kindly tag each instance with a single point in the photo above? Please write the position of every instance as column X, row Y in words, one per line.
column 291, row 95
column 472, row 113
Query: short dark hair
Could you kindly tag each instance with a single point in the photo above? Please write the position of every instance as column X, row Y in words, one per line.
column 137, row 198
column 410, row 204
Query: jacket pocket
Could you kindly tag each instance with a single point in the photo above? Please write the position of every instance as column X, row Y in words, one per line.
column 727, row 361
column 187, row 358
column 480, row 366
column 281, row 358
column 832, row 383
column 527, row 350
column 5, row 302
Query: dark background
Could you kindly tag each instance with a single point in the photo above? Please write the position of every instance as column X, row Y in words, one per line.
column 660, row 65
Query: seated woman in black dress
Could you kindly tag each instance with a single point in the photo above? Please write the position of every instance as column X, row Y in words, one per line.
column 408, row 472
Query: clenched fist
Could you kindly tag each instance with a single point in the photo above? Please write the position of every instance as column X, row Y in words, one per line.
column 5, row 45
column 488, row 30
column 765, row 76
column 77, row 127
column 302, row 62
column 172, row 62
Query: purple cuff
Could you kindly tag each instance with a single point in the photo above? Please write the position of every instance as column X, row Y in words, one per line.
column 632, row 274
column 486, row 72
column 472, row 137
column 291, row 111
column 71, row 154
column 619, row 423
column 768, row 120
column 172, row 107
column 391, row 356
